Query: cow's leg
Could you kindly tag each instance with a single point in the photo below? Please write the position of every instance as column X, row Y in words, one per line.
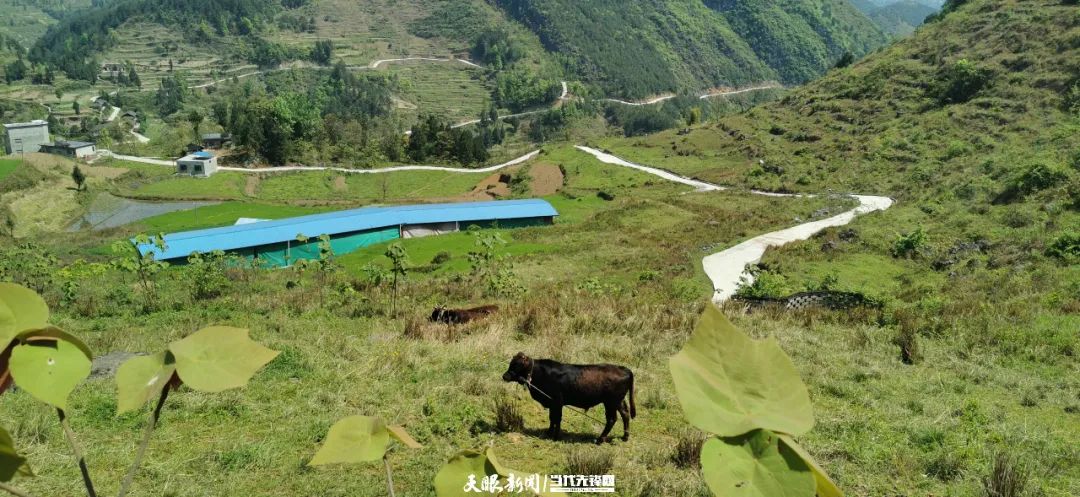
column 609, row 421
column 624, row 411
column 555, row 419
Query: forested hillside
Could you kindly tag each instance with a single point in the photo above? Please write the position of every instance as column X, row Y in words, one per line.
column 652, row 47
column 799, row 39
column 626, row 49
column 74, row 44
column 899, row 17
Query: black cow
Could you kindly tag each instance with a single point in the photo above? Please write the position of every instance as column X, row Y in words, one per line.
column 554, row 385
column 461, row 316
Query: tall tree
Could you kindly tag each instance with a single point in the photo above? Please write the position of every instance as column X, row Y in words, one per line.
column 196, row 118
column 78, row 177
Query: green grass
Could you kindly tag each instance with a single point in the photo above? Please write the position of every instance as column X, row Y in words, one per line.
column 349, row 357
column 8, row 166
column 612, row 281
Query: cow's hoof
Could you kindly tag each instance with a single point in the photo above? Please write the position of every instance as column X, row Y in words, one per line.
column 626, row 437
column 601, row 441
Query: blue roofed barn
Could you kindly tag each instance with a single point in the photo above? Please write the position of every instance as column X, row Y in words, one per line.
column 275, row 242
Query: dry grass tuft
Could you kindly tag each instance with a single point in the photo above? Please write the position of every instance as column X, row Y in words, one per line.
column 1006, row 479
column 508, row 417
column 687, row 453
column 589, row 461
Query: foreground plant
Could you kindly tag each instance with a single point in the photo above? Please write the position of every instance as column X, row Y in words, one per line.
column 359, row 439
column 49, row 363
column 473, row 467
column 749, row 396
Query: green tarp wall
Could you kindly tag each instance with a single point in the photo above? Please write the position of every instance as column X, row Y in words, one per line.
column 507, row 223
column 284, row 254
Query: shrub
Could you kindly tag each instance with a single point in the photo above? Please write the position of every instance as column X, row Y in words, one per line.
column 908, row 342
column 1038, row 177
column 766, row 285
column 441, row 258
column 908, row 244
column 687, row 453
column 960, row 82
column 1065, row 247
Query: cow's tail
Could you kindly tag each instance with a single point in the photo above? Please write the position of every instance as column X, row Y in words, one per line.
column 633, row 406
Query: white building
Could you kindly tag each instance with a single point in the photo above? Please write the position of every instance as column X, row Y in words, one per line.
column 25, row 138
column 198, row 164
column 75, row 150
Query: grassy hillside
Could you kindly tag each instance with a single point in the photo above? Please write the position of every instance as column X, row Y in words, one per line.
column 597, row 280
column 973, row 125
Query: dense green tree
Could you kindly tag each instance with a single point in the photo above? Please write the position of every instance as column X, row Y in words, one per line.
column 322, row 52
column 15, row 71
column 196, row 118
column 171, row 93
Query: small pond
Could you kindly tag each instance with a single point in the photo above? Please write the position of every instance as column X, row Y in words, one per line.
column 108, row 211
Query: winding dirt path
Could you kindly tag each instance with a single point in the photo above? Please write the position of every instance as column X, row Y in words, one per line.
column 728, row 267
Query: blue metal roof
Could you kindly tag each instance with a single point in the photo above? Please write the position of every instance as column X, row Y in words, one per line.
column 331, row 223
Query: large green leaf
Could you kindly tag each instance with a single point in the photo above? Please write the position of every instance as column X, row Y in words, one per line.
column 140, row 379
column 54, row 333
column 754, row 465
column 20, row 309
column 352, row 440
column 219, row 358
column 729, row 384
column 11, row 463
column 453, row 478
column 825, row 486
column 49, row 364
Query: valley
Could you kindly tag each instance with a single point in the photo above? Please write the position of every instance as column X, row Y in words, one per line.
column 885, row 200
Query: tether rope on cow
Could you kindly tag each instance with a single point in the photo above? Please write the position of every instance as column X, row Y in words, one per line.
column 583, row 412
column 528, row 383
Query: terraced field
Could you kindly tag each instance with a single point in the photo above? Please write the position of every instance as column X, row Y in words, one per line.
column 453, row 90
column 151, row 46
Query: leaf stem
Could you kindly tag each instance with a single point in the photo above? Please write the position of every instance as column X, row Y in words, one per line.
column 76, row 449
column 15, row 491
column 389, row 476
column 147, row 431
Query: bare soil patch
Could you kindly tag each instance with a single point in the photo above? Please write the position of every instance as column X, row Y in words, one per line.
column 251, row 188
column 545, row 179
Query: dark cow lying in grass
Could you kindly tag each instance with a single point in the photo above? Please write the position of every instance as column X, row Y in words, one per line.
column 461, row 316
column 554, row 385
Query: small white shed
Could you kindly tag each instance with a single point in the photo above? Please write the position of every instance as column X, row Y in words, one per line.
column 198, row 164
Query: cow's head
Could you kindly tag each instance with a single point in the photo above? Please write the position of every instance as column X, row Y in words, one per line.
column 437, row 313
column 520, row 369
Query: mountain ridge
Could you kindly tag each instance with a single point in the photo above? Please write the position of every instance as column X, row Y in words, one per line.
column 632, row 51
